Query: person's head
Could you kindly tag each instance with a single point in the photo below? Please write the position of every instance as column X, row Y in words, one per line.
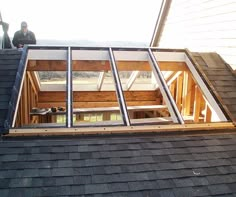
column 24, row 27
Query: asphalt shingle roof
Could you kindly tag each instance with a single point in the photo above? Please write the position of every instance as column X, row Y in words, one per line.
column 220, row 78
column 147, row 165
column 9, row 62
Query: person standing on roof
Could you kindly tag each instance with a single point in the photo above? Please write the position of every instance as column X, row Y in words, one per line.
column 23, row 36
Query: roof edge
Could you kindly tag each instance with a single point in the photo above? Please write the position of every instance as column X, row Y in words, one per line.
column 163, row 13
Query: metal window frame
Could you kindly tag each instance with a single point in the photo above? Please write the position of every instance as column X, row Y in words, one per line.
column 208, row 96
column 175, row 114
column 119, row 91
column 69, row 90
column 17, row 88
column 182, row 55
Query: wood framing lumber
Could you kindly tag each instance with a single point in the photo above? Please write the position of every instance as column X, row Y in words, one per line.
column 95, row 96
column 179, row 91
column 131, row 79
column 184, row 129
column 208, row 114
column 95, row 104
column 111, row 109
column 96, row 65
column 197, row 104
column 187, row 83
column 100, row 80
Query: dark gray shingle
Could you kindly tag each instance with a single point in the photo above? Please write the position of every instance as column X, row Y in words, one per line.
column 9, row 63
column 53, row 166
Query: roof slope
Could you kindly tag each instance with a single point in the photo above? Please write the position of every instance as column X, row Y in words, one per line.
column 147, row 165
column 9, row 62
column 221, row 79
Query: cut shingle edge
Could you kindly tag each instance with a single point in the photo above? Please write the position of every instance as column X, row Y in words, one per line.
column 210, row 87
column 15, row 91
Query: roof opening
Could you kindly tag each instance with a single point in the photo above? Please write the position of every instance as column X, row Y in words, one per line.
column 77, row 87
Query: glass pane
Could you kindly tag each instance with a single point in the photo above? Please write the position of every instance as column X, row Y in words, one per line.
column 94, row 97
column 108, row 83
column 187, row 94
column 144, row 103
column 49, row 77
column 43, row 99
column 144, row 81
column 85, row 81
column 125, row 78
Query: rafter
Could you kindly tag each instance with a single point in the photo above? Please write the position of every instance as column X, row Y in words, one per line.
column 131, row 79
column 173, row 77
column 170, row 78
column 100, row 80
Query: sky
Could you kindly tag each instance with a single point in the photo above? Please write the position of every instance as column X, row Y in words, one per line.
column 96, row 20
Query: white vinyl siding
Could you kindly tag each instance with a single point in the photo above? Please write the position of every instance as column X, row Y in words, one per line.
column 202, row 25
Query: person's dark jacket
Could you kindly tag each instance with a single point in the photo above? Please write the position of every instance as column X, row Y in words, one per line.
column 21, row 39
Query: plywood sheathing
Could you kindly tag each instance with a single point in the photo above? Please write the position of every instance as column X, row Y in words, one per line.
column 221, row 79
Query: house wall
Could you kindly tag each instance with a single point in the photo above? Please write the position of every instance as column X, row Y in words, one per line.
column 203, row 26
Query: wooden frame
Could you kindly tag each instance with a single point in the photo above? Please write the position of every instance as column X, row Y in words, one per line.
column 218, row 114
column 162, row 129
column 180, row 81
column 175, row 115
column 98, row 65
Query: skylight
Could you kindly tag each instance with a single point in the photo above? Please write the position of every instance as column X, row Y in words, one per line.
column 92, row 86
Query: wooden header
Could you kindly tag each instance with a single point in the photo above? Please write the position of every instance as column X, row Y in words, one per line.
column 88, row 65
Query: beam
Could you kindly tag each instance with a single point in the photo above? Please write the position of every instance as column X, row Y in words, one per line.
column 187, row 99
column 173, row 77
column 184, row 93
column 133, row 66
column 184, row 129
column 169, row 77
column 93, row 96
column 197, row 104
column 112, row 109
column 172, row 87
column 119, row 91
column 69, row 95
column 25, row 100
column 179, row 90
column 175, row 115
column 94, row 104
column 33, row 82
column 35, row 76
column 131, row 79
column 88, row 65
column 100, row 80
column 208, row 114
